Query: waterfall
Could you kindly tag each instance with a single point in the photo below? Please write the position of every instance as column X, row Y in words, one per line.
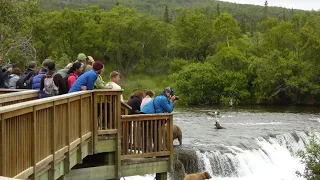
column 275, row 158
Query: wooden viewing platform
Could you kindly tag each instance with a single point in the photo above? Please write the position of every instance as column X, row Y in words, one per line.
column 83, row 135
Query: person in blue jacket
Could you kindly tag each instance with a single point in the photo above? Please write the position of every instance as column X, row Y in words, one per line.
column 160, row 104
column 86, row 81
column 37, row 79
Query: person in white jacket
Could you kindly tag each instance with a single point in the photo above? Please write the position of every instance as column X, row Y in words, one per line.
column 115, row 81
column 148, row 98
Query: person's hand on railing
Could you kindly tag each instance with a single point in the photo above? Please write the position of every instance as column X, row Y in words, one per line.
column 84, row 88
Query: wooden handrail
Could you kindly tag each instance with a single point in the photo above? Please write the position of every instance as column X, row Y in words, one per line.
column 5, row 91
column 17, row 97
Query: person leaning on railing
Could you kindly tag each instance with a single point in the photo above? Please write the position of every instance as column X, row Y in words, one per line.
column 149, row 96
column 135, row 102
column 160, row 103
column 114, row 82
column 87, row 80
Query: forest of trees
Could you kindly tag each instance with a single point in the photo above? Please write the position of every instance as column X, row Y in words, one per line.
column 208, row 55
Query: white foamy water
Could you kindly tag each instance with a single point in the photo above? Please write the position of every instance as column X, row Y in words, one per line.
column 254, row 146
column 273, row 160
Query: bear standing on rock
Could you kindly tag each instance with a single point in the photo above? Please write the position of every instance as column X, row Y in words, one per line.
column 177, row 133
column 198, row 176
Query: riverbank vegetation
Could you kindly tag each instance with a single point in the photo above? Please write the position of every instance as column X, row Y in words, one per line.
column 311, row 159
column 208, row 55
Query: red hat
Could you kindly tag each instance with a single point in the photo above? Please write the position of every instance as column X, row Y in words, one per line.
column 97, row 66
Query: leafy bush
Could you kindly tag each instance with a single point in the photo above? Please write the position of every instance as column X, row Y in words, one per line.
column 311, row 159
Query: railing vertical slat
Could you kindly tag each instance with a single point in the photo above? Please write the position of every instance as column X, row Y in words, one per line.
column 95, row 122
column 170, row 144
column 33, row 141
column 2, row 147
column 53, row 140
column 80, row 129
column 67, row 160
column 117, row 112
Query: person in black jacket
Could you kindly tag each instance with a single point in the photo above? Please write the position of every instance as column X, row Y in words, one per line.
column 135, row 102
column 4, row 73
column 1, row 74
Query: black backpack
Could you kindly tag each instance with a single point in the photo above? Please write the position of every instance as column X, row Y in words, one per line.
column 25, row 82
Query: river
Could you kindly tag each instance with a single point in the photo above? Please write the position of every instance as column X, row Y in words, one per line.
column 258, row 142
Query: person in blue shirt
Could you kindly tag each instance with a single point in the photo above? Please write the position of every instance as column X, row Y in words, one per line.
column 160, row 104
column 86, row 81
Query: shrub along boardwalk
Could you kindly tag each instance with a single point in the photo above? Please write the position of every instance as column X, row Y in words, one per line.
column 83, row 135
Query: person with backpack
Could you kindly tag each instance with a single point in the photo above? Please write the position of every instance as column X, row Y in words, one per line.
column 86, row 81
column 36, row 81
column 73, row 73
column 14, row 77
column 64, row 72
column 52, row 83
column 25, row 82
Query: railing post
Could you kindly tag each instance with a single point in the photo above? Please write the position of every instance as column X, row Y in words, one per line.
column 119, row 134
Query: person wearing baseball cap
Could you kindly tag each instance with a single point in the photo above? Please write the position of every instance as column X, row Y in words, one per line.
column 84, row 59
column 86, row 81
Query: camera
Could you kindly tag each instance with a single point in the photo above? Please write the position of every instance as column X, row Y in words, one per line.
column 176, row 97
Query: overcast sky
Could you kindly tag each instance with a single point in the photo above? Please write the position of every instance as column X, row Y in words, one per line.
column 296, row 4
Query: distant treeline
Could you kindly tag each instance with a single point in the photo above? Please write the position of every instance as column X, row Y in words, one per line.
column 209, row 56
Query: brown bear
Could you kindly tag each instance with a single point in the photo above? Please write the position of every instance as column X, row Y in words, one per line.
column 198, row 176
column 177, row 133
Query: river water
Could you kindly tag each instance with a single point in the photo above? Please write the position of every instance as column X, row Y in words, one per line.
column 258, row 142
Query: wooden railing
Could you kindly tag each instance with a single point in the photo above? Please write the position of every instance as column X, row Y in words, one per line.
column 18, row 97
column 37, row 133
column 5, row 91
column 107, row 106
column 146, row 135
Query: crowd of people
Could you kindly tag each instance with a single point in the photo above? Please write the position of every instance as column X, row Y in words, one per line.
column 81, row 75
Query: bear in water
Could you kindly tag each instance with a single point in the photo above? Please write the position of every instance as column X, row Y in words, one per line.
column 177, row 133
column 198, row 176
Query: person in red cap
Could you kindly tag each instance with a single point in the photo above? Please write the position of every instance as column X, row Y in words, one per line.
column 86, row 81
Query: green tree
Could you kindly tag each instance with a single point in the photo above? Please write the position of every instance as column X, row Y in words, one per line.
column 198, row 83
column 225, row 28
column 166, row 16
column 193, row 35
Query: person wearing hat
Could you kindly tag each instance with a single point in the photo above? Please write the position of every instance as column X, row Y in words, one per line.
column 84, row 59
column 86, row 81
column 160, row 104
column 37, row 79
column 114, row 82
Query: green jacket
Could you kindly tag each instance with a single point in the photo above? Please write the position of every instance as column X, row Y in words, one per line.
column 100, row 84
